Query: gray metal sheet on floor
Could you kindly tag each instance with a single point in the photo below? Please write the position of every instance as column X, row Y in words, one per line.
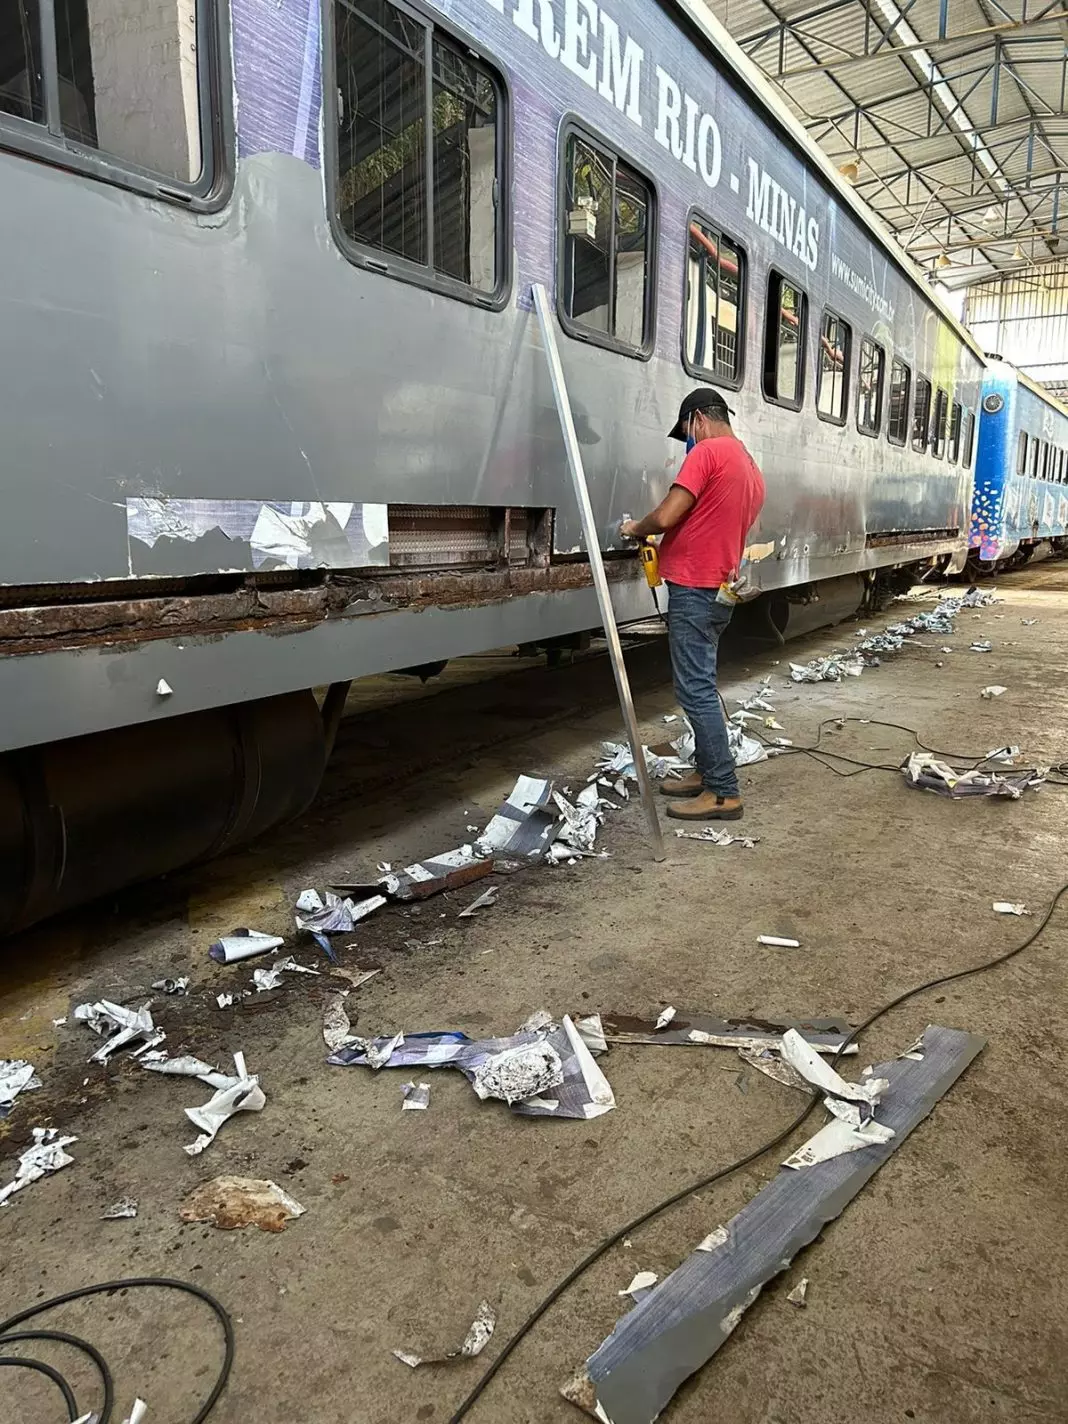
column 681, row 1324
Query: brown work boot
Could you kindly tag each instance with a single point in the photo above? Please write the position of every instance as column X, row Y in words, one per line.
column 707, row 806
column 691, row 785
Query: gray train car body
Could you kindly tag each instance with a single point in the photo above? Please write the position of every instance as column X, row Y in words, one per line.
column 250, row 374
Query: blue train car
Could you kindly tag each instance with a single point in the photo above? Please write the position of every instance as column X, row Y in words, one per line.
column 1021, row 471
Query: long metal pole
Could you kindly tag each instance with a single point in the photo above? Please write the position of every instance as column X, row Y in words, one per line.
column 600, row 580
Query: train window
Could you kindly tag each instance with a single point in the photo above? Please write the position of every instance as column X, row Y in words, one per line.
column 1036, row 456
column 103, row 88
column 938, row 425
column 969, row 439
column 954, row 432
column 715, row 304
column 784, row 342
column 870, row 387
column 897, row 424
column 411, row 102
column 606, row 287
column 832, row 378
column 1021, row 454
column 921, row 415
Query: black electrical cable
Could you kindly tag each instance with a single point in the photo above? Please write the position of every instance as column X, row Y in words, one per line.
column 77, row 1344
column 609, row 1241
column 52, row 1373
column 108, row 1288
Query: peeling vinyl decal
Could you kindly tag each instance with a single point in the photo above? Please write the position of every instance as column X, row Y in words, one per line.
column 254, row 534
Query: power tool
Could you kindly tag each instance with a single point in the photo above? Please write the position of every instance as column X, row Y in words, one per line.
column 650, row 557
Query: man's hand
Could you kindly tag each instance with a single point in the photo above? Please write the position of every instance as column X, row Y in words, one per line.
column 628, row 529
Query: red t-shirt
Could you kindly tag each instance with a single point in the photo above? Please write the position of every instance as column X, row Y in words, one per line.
column 705, row 547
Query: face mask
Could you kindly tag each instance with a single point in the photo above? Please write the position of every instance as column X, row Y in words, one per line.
column 691, row 440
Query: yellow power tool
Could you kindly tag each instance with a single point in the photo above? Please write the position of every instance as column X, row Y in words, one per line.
column 650, row 557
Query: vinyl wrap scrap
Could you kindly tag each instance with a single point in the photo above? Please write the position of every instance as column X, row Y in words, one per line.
column 677, row 1328
column 125, row 1026
column 47, row 1155
column 474, row 1342
column 546, row 1069
column 692, row 1030
column 937, row 620
column 16, row 1076
column 241, row 1093
column 927, row 773
column 232, row 1203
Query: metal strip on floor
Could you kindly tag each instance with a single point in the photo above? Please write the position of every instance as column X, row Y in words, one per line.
column 681, row 1324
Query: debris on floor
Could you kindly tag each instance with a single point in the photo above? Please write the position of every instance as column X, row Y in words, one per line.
column 720, row 838
column 551, row 1058
column 618, row 761
column 813, row 1069
column 581, row 820
column 337, row 1030
column 333, row 915
column 172, row 986
column 835, row 1139
column 746, row 751
column 927, row 773
column 994, row 690
column 139, row 1413
column 938, row 620
column 264, row 979
column 225, row 1001
column 829, row 669
column 242, row 1093
column 527, row 1070
column 797, row 1295
column 122, row 1210
column 186, row 1067
column 664, row 1019
column 487, row 898
column 416, row 1096
column 771, row 1064
column 355, row 977
column 981, row 647
column 16, row 1076
column 1005, row 755
column 474, row 1342
column 243, row 944
column 525, row 824
column 1006, row 907
column 677, row 1328
column 778, row 942
column 47, row 1155
column 232, row 1203
column 126, row 1026
column 642, row 1282
column 824, row 1035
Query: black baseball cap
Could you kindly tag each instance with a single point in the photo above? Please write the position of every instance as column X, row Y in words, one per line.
column 704, row 398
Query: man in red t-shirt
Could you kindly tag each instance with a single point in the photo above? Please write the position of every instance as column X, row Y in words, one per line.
column 705, row 517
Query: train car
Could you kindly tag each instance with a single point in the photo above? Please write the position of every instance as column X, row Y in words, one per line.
column 276, row 413
column 1021, row 471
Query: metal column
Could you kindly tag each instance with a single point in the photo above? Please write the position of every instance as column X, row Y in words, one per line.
column 593, row 548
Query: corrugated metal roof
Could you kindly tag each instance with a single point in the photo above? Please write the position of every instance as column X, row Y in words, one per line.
column 952, row 113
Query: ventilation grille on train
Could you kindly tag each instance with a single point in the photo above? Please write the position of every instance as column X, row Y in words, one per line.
column 883, row 539
column 468, row 536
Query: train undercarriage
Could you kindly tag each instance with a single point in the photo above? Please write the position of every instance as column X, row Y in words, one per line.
column 87, row 815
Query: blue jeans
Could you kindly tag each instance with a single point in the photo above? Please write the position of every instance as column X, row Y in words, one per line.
column 696, row 623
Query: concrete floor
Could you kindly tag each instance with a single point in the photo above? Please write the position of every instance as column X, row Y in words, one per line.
column 939, row 1295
